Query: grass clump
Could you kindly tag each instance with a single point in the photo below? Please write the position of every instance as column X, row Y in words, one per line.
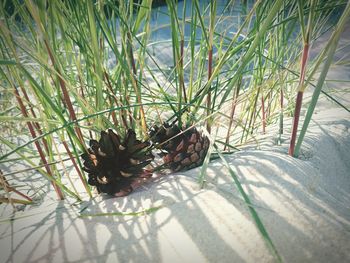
column 196, row 80
column 73, row 68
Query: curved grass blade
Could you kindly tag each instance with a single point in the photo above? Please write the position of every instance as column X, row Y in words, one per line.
column 139, row 213
column 259, row 224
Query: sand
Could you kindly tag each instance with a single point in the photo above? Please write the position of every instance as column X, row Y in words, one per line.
column 303, row 203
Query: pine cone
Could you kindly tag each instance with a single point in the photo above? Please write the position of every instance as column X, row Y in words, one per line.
column 114, row 166
column 182, row 148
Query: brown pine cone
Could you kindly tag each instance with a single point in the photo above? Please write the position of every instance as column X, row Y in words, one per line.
column 116, row 167
column 181, row 148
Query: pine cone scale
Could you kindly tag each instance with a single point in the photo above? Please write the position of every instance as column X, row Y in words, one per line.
column 184, row 148
column 113, row 165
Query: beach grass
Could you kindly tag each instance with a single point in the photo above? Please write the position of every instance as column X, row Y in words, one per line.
column 70, row 69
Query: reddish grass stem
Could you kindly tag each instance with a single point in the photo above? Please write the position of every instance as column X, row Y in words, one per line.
column 9, row 188
column 299, row 99
column 82, row 179
column 295, row 122
column 122, row 113
column 232, row 114
column 66, row 97
column 36, row 124
column 37, row 145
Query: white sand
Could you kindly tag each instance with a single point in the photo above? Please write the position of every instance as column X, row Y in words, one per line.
column 303, row 203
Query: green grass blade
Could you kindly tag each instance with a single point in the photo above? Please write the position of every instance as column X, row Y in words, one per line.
column 251, row 209
column 334, row 42
column 139, row 213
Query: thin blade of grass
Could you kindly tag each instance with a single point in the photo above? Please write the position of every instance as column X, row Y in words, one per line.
column 251, row 209
column 333, row 47
column 139, row 213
